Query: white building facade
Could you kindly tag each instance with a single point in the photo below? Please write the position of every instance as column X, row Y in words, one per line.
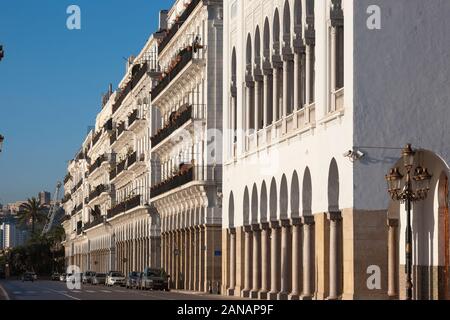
column 187, row 163
column 111, row 225
column 304, row 82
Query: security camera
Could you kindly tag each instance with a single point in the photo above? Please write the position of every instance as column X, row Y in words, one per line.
column 354, row 155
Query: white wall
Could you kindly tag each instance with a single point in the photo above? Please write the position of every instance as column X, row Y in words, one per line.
column 402, row 80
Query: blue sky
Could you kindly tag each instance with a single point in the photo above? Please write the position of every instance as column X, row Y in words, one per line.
column 52, row 78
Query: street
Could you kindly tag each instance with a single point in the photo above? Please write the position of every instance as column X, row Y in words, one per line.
column 55, row 290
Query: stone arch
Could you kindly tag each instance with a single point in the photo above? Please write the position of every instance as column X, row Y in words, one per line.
column 286, row 19
column 254, row 206
column 284, row 198
column 257, row 46
column 333, row 187
column 266, row 40
column 273, row 200
column 246, row 207
column 276, row 32
column 307, row 193
column 295, row 196
column 248, row 53
column 298, row 13
column 231, row 211
column 263, row 202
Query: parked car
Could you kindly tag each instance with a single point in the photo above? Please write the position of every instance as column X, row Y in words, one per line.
column 63, row 277
column 155, row 279
column 55, row 276
column 87, row 277
column 28, row 276
column 115, row 278
column 133, row 280
column 99, row 278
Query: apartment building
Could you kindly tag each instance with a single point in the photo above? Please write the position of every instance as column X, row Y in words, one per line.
column 186, row 150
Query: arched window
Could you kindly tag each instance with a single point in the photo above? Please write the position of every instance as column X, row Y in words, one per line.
column 233, row 94
column 337, row 40
column 250, row 105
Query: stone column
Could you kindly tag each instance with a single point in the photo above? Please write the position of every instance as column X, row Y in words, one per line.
column 286, row 97
column 308, row 225
column 266, row 100
column 333, row 69
column 201, row 248
column 308, row 75
column 247, row 262
column 297, row 82
column 334, row 218
column 283, row 295
column 232, row 287
column 256, row 267
column 265, row 260
column 248, row 105
column 276, row 95
column 274, row 263
column 258, row 102
column 392, row 258
column 186, row 259
column 295, row 293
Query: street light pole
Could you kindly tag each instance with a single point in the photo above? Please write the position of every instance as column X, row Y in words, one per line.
column 414, row 189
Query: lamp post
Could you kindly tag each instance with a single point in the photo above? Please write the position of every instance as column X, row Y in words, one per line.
column 410, row 188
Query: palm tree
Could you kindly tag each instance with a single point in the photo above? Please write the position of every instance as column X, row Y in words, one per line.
column 32, row 211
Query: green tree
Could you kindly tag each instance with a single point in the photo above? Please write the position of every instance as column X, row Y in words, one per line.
column 32, row 211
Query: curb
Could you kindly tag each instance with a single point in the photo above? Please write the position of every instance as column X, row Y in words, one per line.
column 3, row 294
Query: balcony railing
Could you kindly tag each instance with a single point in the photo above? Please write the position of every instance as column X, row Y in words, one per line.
column 97, row 221
column 78, row 186
column 183, row 177
column 66, row 198
column 183, row 58
column 177, row 121
column 132, row 158
column 124, row 206
column 67, row 178
column 137, row 73
column 181, row 20
column 97, row 164
column 97, row 137
column 133, row 117
column 97, row 192
column 120, row 129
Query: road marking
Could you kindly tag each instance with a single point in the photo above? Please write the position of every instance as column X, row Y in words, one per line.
column 66, row 295
column 90, row 291
column 17, row 292
column 105, row 291
column 4, row 293
column 31, row 292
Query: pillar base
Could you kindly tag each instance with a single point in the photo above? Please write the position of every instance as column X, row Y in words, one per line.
column 245, row 294
column 230, row 292
column 282, row 296
column 305, row 298
column 272, row 296
column 332, row 298
column 294, row 296
column 254, row 294
column 262, row 295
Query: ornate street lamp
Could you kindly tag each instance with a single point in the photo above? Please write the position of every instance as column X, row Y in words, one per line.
column 413, row 187
column 2, row 138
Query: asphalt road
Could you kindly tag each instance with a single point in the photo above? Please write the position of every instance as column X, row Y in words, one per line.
column 55, row 290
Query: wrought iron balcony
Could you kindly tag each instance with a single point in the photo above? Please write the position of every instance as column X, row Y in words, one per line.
column 183, row 177
column 124, row 206
column 178, row 24
column 67, row 178
column 98, row 191
column 97, row 137
column 97, row 164
column 138, row 72
column 133, row 117
column 183, row 58
column 95, row 222
column 177, row 120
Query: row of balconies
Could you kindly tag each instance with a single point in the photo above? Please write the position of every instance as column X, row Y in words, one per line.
column 98, row 220
column 177, row 25
column 124, row 206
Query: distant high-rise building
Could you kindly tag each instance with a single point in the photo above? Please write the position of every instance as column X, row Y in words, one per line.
column 44, row 197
